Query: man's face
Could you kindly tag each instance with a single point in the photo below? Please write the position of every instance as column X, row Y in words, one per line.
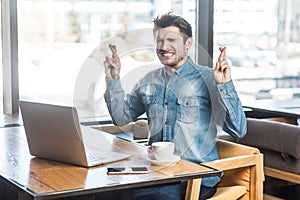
column 171, row 48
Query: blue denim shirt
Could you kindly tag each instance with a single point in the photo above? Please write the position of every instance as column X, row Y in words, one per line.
column 187, row 108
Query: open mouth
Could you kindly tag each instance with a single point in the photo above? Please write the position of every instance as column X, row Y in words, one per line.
column 166, row 53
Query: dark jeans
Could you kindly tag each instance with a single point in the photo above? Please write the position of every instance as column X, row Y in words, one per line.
column 164, row 192
column 171, row 192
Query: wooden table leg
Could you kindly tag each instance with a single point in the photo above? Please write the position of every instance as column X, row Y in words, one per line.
column 193, row 189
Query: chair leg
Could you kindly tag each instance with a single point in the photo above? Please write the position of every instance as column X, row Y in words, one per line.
column 193, row 189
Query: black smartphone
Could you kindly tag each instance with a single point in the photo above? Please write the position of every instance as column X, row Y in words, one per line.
column 127, row 170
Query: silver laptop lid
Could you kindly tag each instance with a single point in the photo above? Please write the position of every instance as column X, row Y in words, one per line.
column 53, row 132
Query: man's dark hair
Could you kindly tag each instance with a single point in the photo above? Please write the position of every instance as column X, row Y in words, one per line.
column 169, row 19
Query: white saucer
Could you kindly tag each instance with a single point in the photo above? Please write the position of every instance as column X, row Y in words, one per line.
column 172, row 161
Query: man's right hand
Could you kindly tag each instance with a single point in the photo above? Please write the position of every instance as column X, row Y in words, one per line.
column 112, row 64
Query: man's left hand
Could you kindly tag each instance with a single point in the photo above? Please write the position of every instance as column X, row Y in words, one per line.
column 222, row 71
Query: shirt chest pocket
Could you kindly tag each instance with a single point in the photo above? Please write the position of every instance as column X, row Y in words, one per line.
column 187, row 109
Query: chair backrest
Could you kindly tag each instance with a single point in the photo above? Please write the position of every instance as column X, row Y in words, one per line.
column 229, row 149
column 242, row 165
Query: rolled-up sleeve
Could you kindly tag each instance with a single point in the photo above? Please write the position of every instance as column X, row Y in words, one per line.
column 235, row 122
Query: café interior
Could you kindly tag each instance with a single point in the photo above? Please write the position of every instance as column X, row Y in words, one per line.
column 53, row 52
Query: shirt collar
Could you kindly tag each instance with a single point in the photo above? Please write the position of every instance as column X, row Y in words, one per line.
column 181, row 70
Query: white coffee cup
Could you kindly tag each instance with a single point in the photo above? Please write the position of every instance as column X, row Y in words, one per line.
column 163, row 151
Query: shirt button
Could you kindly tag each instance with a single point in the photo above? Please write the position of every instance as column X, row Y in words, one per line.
column 166, row 123
column 166, row 103
column 221, row 90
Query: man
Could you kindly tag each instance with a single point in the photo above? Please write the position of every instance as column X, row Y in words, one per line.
column 185, row 103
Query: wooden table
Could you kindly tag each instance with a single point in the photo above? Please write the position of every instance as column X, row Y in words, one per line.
column 25, row 177
column 273, row 108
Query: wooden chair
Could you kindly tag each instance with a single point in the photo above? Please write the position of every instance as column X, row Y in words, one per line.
column 243, row 172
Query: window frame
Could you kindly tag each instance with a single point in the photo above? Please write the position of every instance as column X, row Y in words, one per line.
column 10, row 74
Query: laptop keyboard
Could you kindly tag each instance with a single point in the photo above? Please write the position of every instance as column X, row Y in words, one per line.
column 92, row 157
column 95, row 155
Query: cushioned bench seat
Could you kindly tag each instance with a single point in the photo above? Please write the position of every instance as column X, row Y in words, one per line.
column 281, row 161
column 279, row 142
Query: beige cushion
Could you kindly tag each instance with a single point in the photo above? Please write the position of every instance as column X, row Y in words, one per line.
column 140, row 129
column 229, row 193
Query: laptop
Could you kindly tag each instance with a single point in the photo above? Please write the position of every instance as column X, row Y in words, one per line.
column 54, row 132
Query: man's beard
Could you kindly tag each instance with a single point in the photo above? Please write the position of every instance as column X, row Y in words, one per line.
column 178, row 60
column 173, row 64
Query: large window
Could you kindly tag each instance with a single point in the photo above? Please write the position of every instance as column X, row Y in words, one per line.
column 263, row 38
column 57, row 38
column 62, row 44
